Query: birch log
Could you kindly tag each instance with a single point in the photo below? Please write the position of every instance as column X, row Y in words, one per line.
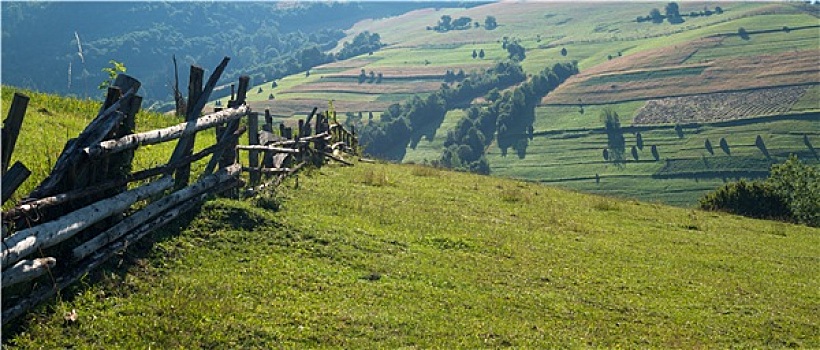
column 153, row 210
column 267, row 148
column 44, row 292
column 170, row 133
column 48, row 234
column 27, row 270
column 266, row 170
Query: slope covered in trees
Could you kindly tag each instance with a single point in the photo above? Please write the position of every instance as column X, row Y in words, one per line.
column 264, row 40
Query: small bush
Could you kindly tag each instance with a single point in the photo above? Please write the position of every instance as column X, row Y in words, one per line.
column 748, row 198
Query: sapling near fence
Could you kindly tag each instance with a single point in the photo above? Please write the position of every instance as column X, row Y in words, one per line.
column 92, row 205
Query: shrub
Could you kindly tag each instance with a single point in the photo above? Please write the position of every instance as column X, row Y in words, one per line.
column 748, row 198
column 799, row 186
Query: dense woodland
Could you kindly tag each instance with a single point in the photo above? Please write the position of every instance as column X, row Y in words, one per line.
column 264, row 40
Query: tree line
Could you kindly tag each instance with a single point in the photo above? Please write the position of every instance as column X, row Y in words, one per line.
column 264, row 40
column 508, row 117
column 403, row 124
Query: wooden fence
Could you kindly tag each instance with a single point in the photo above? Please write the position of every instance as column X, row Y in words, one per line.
column 76, row 219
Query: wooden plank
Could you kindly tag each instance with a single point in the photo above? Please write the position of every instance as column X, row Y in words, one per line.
column 338, row 159
column 11, row 127
column 94, row 133
column 166, row 134
column 229, row 158
column 267, row 149
column 27, row 270
column 229, row 143
column 46, row 202
column 185, row 145
column 12, row 179
column 25, row 242
column 154, row 209
column 266, row 170
column 253, row 140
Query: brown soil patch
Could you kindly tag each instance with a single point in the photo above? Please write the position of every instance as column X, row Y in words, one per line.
column 408, row 87
column 737, row 74
column 303, row 106
column 719, row 106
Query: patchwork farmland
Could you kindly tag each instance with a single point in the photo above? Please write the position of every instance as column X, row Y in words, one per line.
column 676, row 85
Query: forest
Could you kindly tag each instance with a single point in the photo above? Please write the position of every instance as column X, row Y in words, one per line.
column 264, row 40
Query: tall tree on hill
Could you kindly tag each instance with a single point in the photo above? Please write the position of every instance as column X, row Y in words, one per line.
column 673, row 13
column 656, row 16
column 490, row 23
column 615, row 136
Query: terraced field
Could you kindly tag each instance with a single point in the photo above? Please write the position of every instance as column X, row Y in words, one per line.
column 652, row 75
column 720, row 106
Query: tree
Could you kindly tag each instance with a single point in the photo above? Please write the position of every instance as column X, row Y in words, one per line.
column 372, row 77
column 475, row 54
column 743, row 33
column 445, row 23
column 718, row 10
column 656, row 16
column 490, row 23
column 615, row 137
column 563, row 51
column 708, row 145
column 516, row 51
column 379, row 78
column 673, row 13
column 481, row 54
column 799, row 186
column 362, row 76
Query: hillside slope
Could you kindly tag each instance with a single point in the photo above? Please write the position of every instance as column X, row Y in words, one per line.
column 675, row 87
column 391, row 256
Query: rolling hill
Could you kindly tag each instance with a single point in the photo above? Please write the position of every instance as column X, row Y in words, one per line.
column 392, row 256
column 695, row 77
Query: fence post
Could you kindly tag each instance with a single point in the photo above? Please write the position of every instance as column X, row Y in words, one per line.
column 229, row 156
column 253, row 139
column 185, row 145
column 268, row 121
column 11, row 127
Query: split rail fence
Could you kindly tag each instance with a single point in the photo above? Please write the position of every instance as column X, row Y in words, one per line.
column 85, row 212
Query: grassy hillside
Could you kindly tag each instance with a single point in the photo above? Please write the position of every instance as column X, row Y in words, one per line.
column 653, row 75
column 398, row 256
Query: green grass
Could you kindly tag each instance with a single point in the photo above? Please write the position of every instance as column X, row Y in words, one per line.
column 570, row 117
column 428, row 150
column 437, row 259
column 52, row 120
column 572, row 159
column 809, row 101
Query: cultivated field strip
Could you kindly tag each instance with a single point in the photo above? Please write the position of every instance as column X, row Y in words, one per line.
column 720, row 106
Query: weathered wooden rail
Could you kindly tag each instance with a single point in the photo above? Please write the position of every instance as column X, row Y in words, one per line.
column 75, row 219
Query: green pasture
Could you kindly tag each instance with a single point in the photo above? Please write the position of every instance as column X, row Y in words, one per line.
column 428, row 150
column 551, row 117
column 572, row 159
column 809, row 101
column 439, row 259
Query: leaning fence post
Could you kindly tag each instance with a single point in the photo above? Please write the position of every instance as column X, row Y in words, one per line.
column 185, row 145
column 11, row 127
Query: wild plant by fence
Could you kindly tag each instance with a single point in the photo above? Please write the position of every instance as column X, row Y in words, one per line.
column 75, row 219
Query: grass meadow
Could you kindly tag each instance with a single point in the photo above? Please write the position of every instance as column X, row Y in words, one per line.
column 406, row 256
